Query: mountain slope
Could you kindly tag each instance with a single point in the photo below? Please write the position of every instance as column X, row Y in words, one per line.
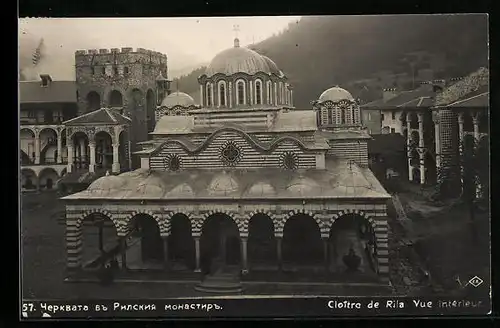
column 319, row 52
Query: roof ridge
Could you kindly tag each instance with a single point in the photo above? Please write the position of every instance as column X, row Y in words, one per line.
column 113, row 118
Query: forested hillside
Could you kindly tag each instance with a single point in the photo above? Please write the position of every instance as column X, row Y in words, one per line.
column 320, row 52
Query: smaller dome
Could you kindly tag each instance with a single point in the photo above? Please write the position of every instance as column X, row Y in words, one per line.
column 106, row 185
column 335, row 94
column 181, row 191
column 302, row 186
column 178, row 98
column 222, row 185
column 261, row 189
column 109, row 182
column 152, row 186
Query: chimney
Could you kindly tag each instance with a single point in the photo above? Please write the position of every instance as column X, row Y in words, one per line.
column 438, row 85
column 46, row 79
column 389, row 94
column 426, row 85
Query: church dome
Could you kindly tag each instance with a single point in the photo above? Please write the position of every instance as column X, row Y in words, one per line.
column 222, row 185
column 239, row 60
column 178, row 98
column 335, row 94
column 272, row 65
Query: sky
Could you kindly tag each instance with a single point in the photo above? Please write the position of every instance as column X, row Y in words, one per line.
column 188, row 42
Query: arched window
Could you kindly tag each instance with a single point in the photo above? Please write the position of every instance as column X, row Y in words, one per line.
column 209, row 95
column 269, row 93
column 280, row 93
column 258, row 92
column 125, row 70
column 222, row 93
column 331, row 116
column 342, row 116
column 240, row 94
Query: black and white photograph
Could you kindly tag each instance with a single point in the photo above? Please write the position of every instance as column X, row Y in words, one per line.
column 254, row 158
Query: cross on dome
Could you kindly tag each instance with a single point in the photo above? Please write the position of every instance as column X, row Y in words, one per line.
column 236, row 29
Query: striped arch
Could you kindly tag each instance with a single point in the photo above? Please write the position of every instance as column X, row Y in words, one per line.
column 198, row 225
column 350, row 211
column 249, row 216
column 168, row 222
column 118, row 225
column 159, row 220
column 286, row 217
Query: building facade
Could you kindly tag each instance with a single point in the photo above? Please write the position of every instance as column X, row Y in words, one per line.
column 72, row 132
column 246, row 184
column 416, row 115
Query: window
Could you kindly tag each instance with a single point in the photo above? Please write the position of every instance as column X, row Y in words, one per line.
column 342, row 116
column 230, row 153
column 115, row 70
column 330, row 119
column 222, row 94
column 92, row 70
column 241, row 93
column 382, row 117
column 258, row 92
column 269, row 93
column 31, row 114
column 393, row 116
column 173, row 163
column 103, row 70
column 393, row 130
column 125, row 70
column 209, row 95
column 289, row 161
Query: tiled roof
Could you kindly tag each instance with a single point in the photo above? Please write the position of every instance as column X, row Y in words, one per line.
column 465, row 88
column 101, row 116
column 339, row 180
column 54, row 92
column 421, row 97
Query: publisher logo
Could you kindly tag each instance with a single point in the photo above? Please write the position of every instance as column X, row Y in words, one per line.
column 476, row 281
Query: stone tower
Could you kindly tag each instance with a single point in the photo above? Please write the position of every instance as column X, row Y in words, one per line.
column 123, row 79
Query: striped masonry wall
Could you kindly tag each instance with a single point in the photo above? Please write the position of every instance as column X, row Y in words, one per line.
column 350, row 150
column 248, row 119
column 250, row 158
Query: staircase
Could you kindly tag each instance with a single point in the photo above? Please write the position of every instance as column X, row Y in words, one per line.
column 224, row 281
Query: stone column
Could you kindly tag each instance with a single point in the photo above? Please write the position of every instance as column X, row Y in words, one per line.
column 230, row 91
column 421, row 155
column 326, row 253
column 197, row 251
column 165, row 252
column 116, row 159
column 275, row 93
column 59, row 148
column 461, row 131
column 70, row 157
column 251, row 92
column 92, row 156
column 123, row 246
column 212, row 95
column 291, row 97
column 37, row 149
column 244, row 255
column 279, row 254
column 475, row 122
column 202, row 101
column 437, row 140
column 408, row 146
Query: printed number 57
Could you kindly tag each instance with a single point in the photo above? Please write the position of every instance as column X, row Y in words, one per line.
column 28, row 307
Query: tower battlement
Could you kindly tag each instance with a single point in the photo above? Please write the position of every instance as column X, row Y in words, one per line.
column 119, row 55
